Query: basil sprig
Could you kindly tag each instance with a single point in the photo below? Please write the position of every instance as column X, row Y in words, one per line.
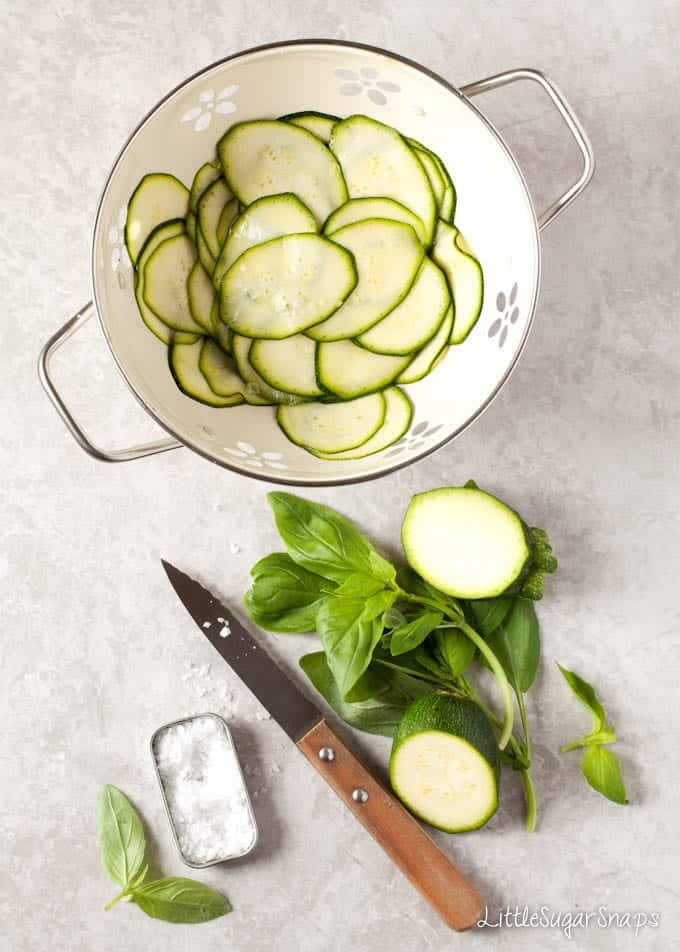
column 600, row 766
column 122, row 846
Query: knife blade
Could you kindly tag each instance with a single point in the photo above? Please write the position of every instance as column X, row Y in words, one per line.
column 394, row 828
column 255, row 667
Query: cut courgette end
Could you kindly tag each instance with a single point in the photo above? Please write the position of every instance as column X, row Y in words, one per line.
column 333, row 427
column 319, row 124
column 465, row 542
column 158, row 198
column 268, row 157
column 184, row 360
column 285, row 285
column 444, row 763
column 398, row 416
column 464, row 274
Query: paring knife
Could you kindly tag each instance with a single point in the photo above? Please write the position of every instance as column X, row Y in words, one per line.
column 399, row 834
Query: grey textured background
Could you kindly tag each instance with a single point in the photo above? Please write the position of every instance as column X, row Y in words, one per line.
column 584, row 439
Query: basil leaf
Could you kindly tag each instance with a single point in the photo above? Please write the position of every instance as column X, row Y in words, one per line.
column 323, row 542
column 602, row 770
column 416, row 585
column 413, row 633
column 284, row 596
column 489, row 613
column 350, row 629
column 176, row 899
column 516, row 644
column 120, row 834
column 378, row 699
column 359, row 585
column 586, row 695
column 453, row 649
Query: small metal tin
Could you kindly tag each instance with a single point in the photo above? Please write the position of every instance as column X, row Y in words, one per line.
column 230, row 740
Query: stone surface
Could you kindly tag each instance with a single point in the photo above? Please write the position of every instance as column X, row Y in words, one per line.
column 97, row 652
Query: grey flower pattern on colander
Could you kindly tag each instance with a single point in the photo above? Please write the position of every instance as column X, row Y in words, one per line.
column 366, row 80
column 210, row 102
column 415, row 440
column 247, row 455
column 508, row 314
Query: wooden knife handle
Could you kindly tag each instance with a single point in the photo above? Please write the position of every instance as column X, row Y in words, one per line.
column 399, row 834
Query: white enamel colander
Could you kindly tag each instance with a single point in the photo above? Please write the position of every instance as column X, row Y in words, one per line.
column 494, row 211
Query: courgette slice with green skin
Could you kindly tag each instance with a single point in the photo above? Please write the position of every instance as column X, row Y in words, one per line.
column 427, row 359
column 377, row 162
column 184, row 365
column 465, row 542
column 398, row 416
column 258, row 392
column 220, row 371
column 286, row 285
column 220, row 331
column 388, row 256
column 359, row 209
column 211, row 204
column 268, row 157
column 204, row 255
column 204, row 177
column 267, row 218
column 201, row 294
column 349, row 371
column 288, row 364
column 464, row 273
column 444, row 763
column 411, row 324
column 158, row 198
column 447, row 203
column 166, row 273
column 160, row 234
column 333, row 427
column 434, row 176
column 319, row 124
column 229, row 214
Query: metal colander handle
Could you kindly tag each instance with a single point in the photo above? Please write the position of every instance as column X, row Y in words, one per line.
column 106, row 456
column 567, row 113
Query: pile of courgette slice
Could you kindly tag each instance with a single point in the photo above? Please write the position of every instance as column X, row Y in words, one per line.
column 313, row 265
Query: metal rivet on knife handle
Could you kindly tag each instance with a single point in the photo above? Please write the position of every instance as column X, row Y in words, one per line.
column 359, row 795
column 327, row 753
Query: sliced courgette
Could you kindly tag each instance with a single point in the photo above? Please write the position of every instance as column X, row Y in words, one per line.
column 205, row 176
column 286, row 285
column 229, row 214
column 204, row 255
column 444, row 763
column 220, row 371
column 398, row 416
column 220, row 331
column 158, row 198
column 411, row 324
column 160, row 234
column 424, row 362
column 267, row 157
column 434, row 176
column 201, row 294
column 388, row 255
column 211, row 204
column 191, row 225
column 377, row 162
column 333, row 427
column 348, row 371
column 288, row 364
column 464, row 274
column 267, row 218
column 319, row 124
column 258, row 392
column 464, row 541
column 448, row 202
column 184, row 364
column 166, row 273
column 359, row 209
